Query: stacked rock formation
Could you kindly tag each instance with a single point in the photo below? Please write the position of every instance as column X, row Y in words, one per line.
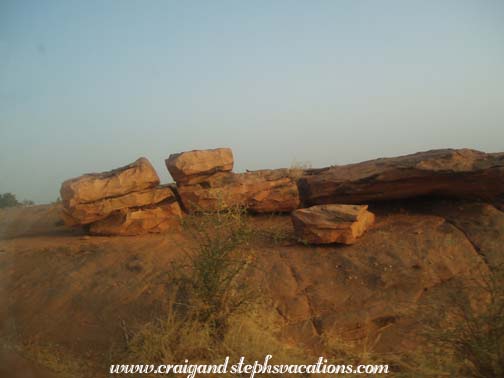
column 124, row 201
column 130, row 201
column 205, row 183
column 325, row 224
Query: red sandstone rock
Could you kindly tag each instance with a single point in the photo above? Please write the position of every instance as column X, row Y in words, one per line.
column 325, row 224
column 138, row 221
column 85, row 213
column 259, row 191
column 91, row 187
column 195, row 166
column 454, row 173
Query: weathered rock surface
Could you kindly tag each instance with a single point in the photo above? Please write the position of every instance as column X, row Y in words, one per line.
column 259, row 191
column 195, row 166
column 138, row 221
column 91, row 187
column 324, row 224
column 85, row 213
column 460, row 173
column 371, row 290
column 124, row 201
column 367, row 292
column 481, row 223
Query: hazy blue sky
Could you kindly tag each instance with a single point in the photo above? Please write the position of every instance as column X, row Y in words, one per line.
column 91, row 85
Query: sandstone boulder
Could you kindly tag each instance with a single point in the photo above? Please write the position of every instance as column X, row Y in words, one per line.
column 85, row 213
column 263, row 191
column 91, row 187
column 326, row 224
column 138, row 221
column 195, row 166
column 460, row 173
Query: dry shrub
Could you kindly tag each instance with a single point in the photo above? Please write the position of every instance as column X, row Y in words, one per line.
column 297, row 169
column 216, row 311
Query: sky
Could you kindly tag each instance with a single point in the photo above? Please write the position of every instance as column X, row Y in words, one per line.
column 88, row 86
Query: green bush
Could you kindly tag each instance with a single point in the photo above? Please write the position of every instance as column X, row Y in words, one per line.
column 214, row 312
column 8, row 200
column 209, row 278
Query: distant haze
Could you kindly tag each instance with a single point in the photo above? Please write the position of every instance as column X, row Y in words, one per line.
column 92, row 85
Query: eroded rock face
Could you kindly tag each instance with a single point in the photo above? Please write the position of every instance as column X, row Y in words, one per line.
column 453, row 173
column 259, row 191
column 91, row 187
column 138, row 221
column 325, row 224
column 85, row 213
column 192, row 167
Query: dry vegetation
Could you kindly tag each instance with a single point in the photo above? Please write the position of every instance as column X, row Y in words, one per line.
column 214, row 313
column 217, row 309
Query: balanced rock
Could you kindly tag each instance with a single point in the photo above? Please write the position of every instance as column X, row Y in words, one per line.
column 460, row 173
column 85, row 213
column 261, row 191
column 138, row 221
column 325, row 224
column 192, row 167
column 91, row 187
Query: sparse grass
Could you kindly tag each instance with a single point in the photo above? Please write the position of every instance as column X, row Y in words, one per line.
column 297, row 169
column 54, row 358
column 466, row 338
column 252, row 334
column 273, row 231
column 214, row 312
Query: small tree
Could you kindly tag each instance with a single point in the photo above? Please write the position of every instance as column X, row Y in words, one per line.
column 8, row 200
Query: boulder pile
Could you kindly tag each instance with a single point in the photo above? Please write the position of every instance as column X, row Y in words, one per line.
column 205, row 183
column 130, row 201
column 124, row 201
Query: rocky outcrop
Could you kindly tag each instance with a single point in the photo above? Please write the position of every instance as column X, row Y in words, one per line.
column 124, row 201
column 452, row 173
column 205, row 183
column 91, row 187
column 264, row 191
column 85, row 213
column 324, row 224
column 195, row 166
column 138, row 221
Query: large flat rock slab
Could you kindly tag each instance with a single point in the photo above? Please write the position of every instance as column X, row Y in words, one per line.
column 460, row 173
column 325, row 224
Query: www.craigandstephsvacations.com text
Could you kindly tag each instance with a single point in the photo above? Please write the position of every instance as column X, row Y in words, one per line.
column 251, row 369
